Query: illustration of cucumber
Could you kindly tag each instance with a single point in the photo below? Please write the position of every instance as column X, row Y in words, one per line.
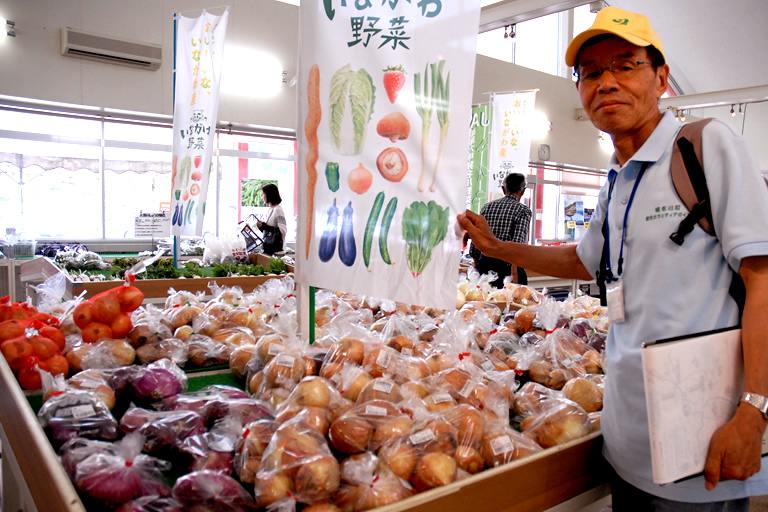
column 332, row 175
column 386, row 222
column 370, row 227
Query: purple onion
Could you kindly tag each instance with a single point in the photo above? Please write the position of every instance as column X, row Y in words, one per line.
column 156, row 384
column 210, row 490
column 151, row 504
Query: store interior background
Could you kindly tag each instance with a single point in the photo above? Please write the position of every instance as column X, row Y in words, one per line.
column 716, row 53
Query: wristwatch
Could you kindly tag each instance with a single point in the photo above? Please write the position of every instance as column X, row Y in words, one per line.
column 758, row 401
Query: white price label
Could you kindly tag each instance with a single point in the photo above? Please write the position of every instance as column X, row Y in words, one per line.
column 285, row 360
column 375, row 410
column 76, row 411
column 406, row 351
column 275, row 349
column 441, row 398
column 384, row 358
column 383, row 385
column 487, row 366
column 424, row 436
column 467, row 389
column 502, row 444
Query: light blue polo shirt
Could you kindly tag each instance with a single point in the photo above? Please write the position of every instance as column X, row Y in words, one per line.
column 672, row 290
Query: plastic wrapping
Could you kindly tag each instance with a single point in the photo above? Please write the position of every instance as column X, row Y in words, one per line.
column 112, row 479
column 203, row 351
column 167, row 348
column 76, row 413
column 558, row 424
column 211, row 490
column 163, row 431
column 214, row 450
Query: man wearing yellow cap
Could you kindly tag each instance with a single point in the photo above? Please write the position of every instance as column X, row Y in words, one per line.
column 659, row 289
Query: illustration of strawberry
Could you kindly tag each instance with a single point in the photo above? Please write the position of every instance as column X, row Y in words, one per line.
column 198, row 160
column 394, row 80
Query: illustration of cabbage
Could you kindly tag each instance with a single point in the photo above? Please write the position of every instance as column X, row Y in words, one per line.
column 351, row 103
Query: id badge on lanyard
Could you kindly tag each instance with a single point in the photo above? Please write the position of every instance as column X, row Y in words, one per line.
column 614, row 294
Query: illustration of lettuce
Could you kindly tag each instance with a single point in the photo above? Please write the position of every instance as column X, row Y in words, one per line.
column 352, row 98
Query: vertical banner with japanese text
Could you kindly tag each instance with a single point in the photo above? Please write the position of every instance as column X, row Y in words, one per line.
column 510, row 137
column 477, row 172
column 199, row 47
column 385, row 92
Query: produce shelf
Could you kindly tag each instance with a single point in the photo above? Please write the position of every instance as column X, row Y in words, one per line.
column 34, row 480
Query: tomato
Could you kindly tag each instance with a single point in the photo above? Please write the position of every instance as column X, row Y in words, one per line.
column 55, row 335
column 121, row 325
column 130, row 298
column 95, row 331
column 56, row 365
column 16, row 351
column 12, row 329
column 105, row 308
column 43, row 347
column 83, row 314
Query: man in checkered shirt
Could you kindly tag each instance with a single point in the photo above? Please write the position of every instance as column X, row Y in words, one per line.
column 509, row 220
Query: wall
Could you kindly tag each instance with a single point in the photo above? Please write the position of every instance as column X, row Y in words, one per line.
column 33, row 66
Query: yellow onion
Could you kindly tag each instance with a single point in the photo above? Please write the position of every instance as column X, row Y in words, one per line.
column 317, row 479
column 434, row 470
column 469, row 459
column 272, row 487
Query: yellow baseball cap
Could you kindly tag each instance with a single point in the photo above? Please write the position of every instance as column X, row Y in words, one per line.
column 627, row 25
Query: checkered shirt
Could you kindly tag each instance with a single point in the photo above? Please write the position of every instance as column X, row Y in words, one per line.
column 509, row 220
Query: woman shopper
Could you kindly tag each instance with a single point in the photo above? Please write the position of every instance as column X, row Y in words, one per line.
column 274, row 227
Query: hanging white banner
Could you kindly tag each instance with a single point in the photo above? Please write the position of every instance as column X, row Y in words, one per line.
column 199, row 51
column 385, row 92
column 511, row 125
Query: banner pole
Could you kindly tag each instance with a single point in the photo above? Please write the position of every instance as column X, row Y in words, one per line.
column 173, row 109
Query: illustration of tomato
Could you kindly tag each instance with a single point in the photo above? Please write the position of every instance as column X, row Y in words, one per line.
column 198, row 161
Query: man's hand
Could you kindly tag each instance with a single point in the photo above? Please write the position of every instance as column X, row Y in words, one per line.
column 478, row 229
column 734, row 452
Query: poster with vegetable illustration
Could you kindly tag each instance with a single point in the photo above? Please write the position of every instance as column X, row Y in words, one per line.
column 385, row 93
column 199, row 47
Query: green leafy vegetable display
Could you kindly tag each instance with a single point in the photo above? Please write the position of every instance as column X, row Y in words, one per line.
column 351, row 104
column 424, row 227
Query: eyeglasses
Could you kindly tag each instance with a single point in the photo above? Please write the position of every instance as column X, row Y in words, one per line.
column 620, row 69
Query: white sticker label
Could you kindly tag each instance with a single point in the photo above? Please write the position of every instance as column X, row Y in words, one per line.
column 275, row 349
column 384, row 359
column 285, row 360
column 383, row 385
column 76, row 411
column 406, row 351
column 375, row 410
column 502, row 444
column 424, row 436
column 467, row 389
column 488, row 366
column 441, row 398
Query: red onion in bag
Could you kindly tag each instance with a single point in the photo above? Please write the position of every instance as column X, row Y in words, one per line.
column 212, row 491
column 151, row 504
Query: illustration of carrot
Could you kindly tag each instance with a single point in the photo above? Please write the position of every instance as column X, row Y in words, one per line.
column 314, row 114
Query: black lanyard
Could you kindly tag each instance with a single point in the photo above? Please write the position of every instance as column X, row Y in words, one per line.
column 612, row 180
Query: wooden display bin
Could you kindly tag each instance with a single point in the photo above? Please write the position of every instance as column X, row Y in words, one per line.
column 34, row 480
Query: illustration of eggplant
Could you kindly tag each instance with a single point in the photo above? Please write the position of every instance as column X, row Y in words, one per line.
column 347, row 247
column 175, row 216
column 328, row 240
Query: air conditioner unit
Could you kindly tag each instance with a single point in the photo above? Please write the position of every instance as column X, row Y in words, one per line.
column 86, row 45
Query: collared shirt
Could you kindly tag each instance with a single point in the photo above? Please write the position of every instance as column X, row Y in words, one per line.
column 509, row 220
column 672, row 290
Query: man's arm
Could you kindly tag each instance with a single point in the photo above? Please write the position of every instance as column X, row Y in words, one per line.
column 550, row 261
column 734, row 452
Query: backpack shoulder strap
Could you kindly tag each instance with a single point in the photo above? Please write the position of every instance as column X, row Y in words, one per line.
column 689, row 180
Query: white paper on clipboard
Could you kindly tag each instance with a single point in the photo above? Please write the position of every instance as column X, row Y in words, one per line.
column 692, row 387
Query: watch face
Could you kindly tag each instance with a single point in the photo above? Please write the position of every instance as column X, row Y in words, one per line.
column 543, row 151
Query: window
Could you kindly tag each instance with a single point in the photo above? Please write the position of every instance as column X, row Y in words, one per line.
column 91, row 186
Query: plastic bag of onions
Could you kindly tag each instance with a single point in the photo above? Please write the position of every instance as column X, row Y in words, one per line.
column 114, row 478
column 501, row 444
column 166, row 348
column 368, row 426
column 204, row 351
column 317, row 399
column 297, row 461
column 368, row 482
column 557, row 424
column 151, row 504
column 211, row 490
column 76, row 413
column 214, row 450
column 254, row 441
column 157, row 381
column 163, row 431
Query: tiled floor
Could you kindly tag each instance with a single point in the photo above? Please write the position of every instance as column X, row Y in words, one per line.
column 759, row 504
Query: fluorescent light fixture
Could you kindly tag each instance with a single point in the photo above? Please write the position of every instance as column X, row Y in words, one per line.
column 250, row 72
column 7, row 26
column 540, row 125
column 606, row 142
column 292, row 2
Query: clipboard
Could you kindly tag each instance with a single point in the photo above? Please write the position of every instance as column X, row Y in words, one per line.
column 692, row 387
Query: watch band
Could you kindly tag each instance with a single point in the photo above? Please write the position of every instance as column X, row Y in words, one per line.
column 758, row 401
